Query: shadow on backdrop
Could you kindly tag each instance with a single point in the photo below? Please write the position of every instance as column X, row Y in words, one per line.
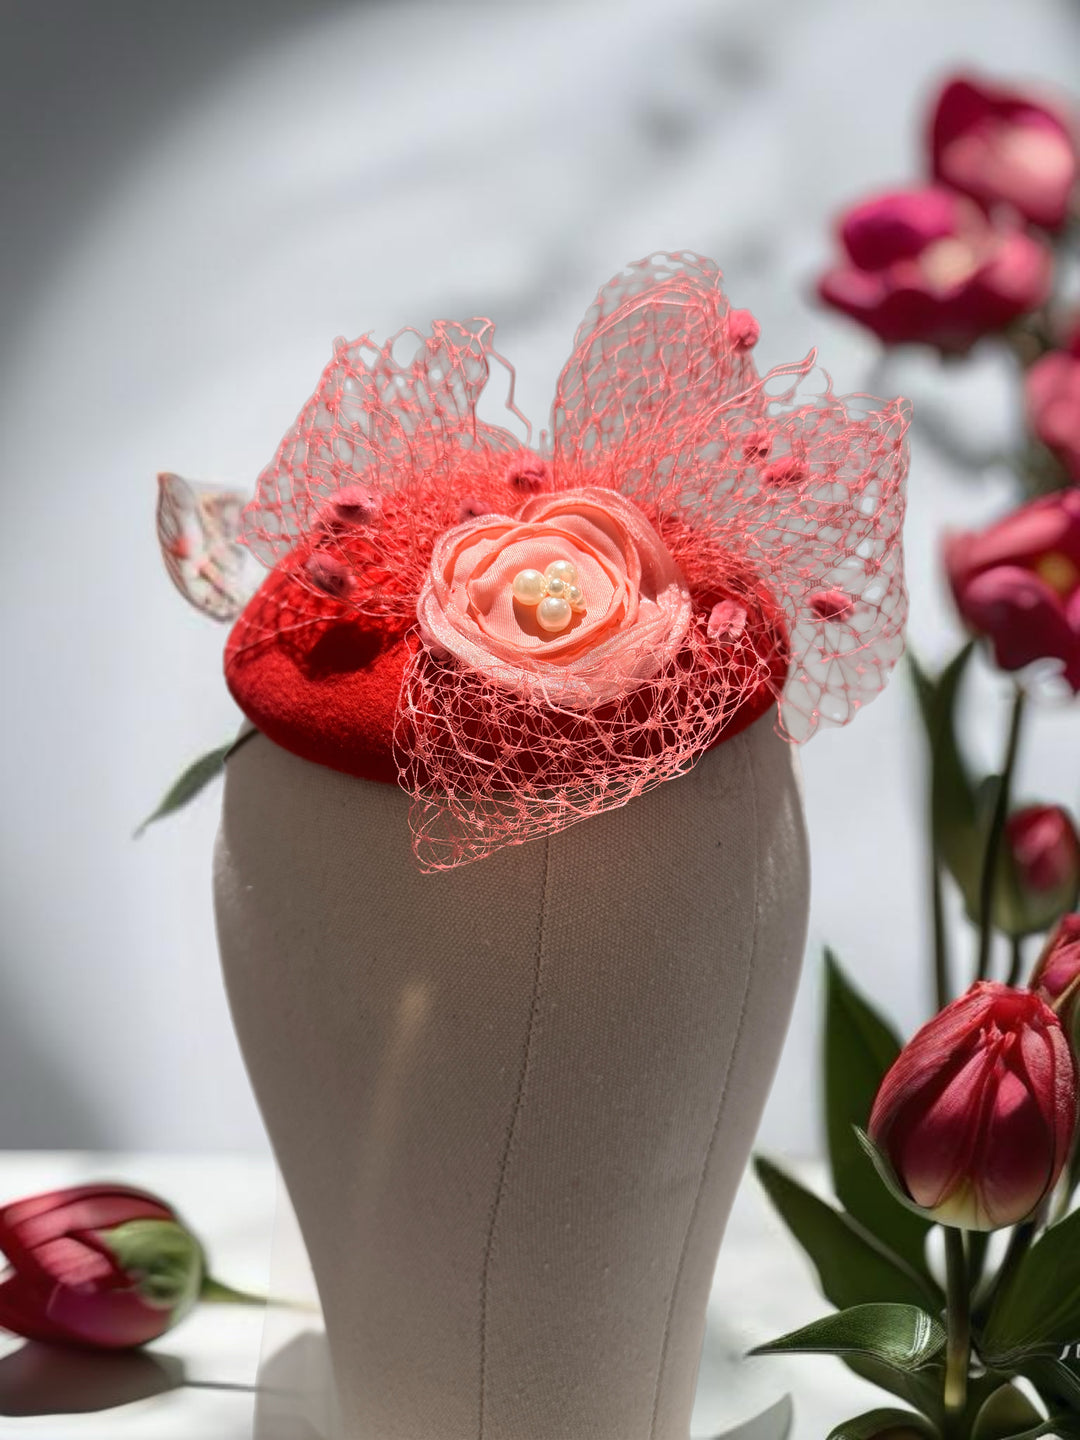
column 84, row 87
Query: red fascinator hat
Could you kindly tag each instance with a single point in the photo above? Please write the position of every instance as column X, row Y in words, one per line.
column 525, row 636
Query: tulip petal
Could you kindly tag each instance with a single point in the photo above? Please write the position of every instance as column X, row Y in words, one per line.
column 976, row 1117
column 23, row 1310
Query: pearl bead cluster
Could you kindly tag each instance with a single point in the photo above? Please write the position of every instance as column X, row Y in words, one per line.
column 555, row 593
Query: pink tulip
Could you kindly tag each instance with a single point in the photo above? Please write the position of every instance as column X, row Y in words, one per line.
column 976, row 1117
column 929, row 266
column 1057, row 972
column 1052, row 400
column 105, row 1266
column 1004, row 146
column 1045, row 848
column 1018, row 583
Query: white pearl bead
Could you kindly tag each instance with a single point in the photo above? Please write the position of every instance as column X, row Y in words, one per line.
column 574, row 595
column 555, row 586
column 561, row 570
column 553, row 613
column 529, row 586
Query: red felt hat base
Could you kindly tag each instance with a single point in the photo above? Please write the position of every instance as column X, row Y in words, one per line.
column 323, row 682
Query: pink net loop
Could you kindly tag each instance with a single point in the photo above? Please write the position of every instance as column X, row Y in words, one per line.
column 779, row 505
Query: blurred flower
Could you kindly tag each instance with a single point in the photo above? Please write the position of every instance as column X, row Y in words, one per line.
column 1018, row 583
column 1052, row 396
column 975, row 1118
column 1056, row 978
column 1041, row 865
column 1004, row 146
column 105, row 1266
column 928, row 266
column 1045, row 848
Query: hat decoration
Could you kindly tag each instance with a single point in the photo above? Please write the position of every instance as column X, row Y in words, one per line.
column 524, row 636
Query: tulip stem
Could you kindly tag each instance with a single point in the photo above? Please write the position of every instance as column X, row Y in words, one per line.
column 988, row 882
column 942, row 986
column 1019, row 1244
column 215, row 1293
column 1016, row 965
column 958, row 1321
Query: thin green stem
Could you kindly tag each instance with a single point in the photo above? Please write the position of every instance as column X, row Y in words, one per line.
column 988, row 883
column 958, row 1323
column 1019, row 1244
column 1016, row 963
column 978, row 1243
column 942, row 986
column 215, row 1293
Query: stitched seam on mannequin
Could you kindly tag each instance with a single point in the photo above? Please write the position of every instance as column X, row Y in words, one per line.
column 511, row 1130
column 720, row 1109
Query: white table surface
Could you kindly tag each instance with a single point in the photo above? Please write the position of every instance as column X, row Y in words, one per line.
column 196, row 1383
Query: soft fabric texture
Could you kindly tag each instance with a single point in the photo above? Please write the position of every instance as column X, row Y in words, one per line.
column 669, row 461
column 324, row 682
column 512, row 1101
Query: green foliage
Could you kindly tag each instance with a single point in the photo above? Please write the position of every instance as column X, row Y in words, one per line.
column 1007, row 1413
column 953, row 799
column 859, row 1048
column 854, row 1268
column 885, row 1423
column 191, row 783
column 1040, row 1304
column 901, row 1336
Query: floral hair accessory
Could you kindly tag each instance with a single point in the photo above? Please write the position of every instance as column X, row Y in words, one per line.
column 526, row 636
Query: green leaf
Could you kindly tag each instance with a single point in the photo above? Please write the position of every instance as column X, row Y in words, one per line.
column 1056, row 1378
column 1041, row 1304
column 1006, row 1413
column 853, row 1266
column 952, row 794
column 902, row 1336
column 194, row 779
column 922, row 1388
column 887, row 1422
column 859, row 1048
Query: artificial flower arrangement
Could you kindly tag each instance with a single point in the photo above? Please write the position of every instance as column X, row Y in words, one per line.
column 971, row 1127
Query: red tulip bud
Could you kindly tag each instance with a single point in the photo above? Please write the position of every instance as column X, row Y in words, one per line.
column 105, row 1266
column 976, row 1117
column 1044, row 849
column 1056, row 978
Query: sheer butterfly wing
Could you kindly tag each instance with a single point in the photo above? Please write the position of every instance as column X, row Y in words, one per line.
column 198, row 529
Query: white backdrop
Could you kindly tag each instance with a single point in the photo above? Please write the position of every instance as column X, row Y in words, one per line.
column 204, row 196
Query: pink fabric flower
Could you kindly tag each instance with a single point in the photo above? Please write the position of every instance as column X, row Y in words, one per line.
column 928, row 266
column 1052, row 400
column 634, row 608
column 1001, row 145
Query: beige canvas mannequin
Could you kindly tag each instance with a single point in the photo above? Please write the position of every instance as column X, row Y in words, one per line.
column 512, row 1101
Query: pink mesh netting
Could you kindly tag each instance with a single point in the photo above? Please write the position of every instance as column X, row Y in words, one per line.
column 780, row 505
